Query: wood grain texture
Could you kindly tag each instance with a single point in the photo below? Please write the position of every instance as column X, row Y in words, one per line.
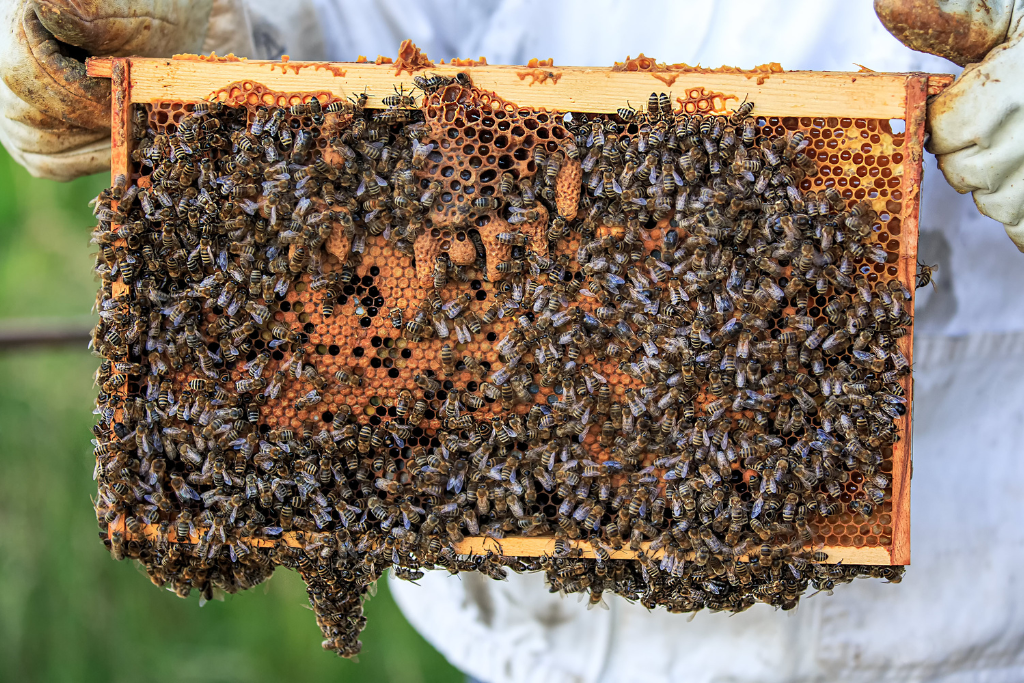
column 902, row 471
column 120, row 134
column 938, row 82
column 120, row 117
column 99, row 67
column 583, row 89
column 120, row 155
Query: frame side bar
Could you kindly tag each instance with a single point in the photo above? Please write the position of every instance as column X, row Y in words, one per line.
column 917, row 94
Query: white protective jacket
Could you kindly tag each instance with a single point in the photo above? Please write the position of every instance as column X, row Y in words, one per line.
column 958, row 616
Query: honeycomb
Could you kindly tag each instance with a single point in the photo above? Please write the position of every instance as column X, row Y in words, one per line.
column 469, row 142
column 856, row 155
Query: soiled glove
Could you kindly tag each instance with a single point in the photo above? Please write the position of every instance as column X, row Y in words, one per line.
column 54, row 119
column 977, row 124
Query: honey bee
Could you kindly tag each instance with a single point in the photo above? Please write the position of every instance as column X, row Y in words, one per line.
column 654, row 109
column 511, row 267
column 626, row 113
column 749, row 132
column 427, row 383
column 447, row 360
column 309, row 399
column 517, row 239
column 351, row 379
column 432, row 83
column 796, row 144
column 741, row 112
column 520, row 215
column 570, row 149
column 924, row 275
column 427, row 198
column 507, row 184
column 399, row 99
column 486, row 203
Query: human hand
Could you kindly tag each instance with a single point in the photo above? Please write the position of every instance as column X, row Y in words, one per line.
column 977, row 124
column 54, row 119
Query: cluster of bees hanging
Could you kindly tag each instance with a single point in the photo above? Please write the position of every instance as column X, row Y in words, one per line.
column 748, row 407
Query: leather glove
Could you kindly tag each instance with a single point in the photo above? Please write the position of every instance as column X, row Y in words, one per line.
column 976, row 126
column 55, row 120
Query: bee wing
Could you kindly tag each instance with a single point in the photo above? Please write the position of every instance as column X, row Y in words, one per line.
column 456, row 480
column 186, row 492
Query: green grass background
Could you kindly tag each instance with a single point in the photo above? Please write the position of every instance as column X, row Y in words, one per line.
column 68, row 612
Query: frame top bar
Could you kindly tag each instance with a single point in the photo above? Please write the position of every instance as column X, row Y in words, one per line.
column 581, row 89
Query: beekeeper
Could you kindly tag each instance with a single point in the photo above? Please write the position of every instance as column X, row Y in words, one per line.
column 958, row 616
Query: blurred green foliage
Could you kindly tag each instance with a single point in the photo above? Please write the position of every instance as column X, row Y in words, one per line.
column 68, row 612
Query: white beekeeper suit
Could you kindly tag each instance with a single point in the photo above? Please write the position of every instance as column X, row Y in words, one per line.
column 958, row 616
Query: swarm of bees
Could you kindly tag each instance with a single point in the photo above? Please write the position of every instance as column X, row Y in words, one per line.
column 748, row 409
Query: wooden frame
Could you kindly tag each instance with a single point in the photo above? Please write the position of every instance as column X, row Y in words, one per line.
column 801, row 94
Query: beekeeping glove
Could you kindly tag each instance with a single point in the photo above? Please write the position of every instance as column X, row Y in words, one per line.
column 977, row 124
column 55, row 120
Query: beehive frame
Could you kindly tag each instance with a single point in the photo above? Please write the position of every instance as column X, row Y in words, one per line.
column 846, row 100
